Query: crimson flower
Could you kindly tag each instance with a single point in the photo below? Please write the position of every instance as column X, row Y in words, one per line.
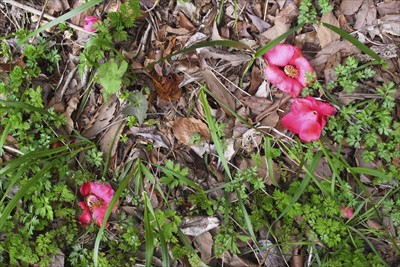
column 287, row 68
column 346, row 212
column 307, row 118
column 89, row 21
column 97, row 199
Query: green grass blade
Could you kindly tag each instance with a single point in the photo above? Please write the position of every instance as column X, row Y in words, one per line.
column 367, row 171
column 268, row 157
column 227, row 43
column 355, row 42
column 149, row 231
column 21, row 192
column 303, row 185
column 125, row 180
column 62, row 18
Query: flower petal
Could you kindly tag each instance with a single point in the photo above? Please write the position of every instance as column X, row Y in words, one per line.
column 85, row 189
column 282, row 54
column 91, row 19
column 86, row 217
column 102, row 190
column 310, row 131
column 98, row 215
column 278, row 78
column 303, row 66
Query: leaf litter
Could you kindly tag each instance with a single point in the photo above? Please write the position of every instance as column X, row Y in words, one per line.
column 181, row 116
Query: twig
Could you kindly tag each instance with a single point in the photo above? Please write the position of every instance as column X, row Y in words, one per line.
column 39, row 13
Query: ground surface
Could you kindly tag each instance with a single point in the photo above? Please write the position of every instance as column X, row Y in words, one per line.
column 247, row 110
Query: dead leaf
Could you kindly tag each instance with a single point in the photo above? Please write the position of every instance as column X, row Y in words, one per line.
column 386, row 8
column 256, row 104
column 198, row 225
column 374, row 225
column 366, row 15
column 218, row 89
column 282, row 22
column 167, row 87
column 204, row 244
column 185, row 128
column 101, row 120
column 72, row 106
column 390, row 24
column 349, row 7
column 111, row 138
column 236, row 261
column 325, row 35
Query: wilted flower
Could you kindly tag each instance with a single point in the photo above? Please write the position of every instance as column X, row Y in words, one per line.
column 307, row 118
column 89, row 21
column 97, row 199
column 287, row 68
column 346, row 212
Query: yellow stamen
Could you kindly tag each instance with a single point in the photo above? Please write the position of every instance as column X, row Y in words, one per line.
column 291, row 71
column 94, row 202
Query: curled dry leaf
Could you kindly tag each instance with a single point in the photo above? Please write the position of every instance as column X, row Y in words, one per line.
column 197, row 225
column 204, row 244
column 167, row 87
column 325, row 35
column 349, row 7
column 185, row 130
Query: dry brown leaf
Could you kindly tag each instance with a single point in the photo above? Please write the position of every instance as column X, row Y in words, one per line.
column 204, row 244
column 218, row 89
column 349, row 7
column 366, row 15
column 198, row 225
column 236, row 261
column 185, row 128
column 184, row 22
column 111, row 138
column 282, row 22
column 374, row 225
column 260, row 24
column 271, row 120
column 386, row 8
column 167, row 87
column 390, row 24
column 101, row 120
column 325, row 35
column 233, row 59
column 57, row 6
column 71, row 107
column 256, row 104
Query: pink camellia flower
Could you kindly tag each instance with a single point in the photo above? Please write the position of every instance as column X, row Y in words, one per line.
column 97, row 199
column 346, row 212
column 89, row 21
column 307, row 118
column 287, row 68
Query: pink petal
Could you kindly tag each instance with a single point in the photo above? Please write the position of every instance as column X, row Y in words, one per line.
column 278, row 78
column 301, row 105
column 86, row 217
column 282, row 54
column 290, row 122
column 85, row 189
column 346, row 212
column 310, row 131
column 98, row 215
column 303, row 66
column 102, row 190
column 91, row 19
column 325, row 109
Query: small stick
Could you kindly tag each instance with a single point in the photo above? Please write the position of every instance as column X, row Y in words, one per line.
column 273, row 107
column 39, row 13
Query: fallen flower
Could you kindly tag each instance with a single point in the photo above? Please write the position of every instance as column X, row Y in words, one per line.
column 346, row 212
column 287, row 68
column 97, row 199
column 307, row 118
column 89, row 21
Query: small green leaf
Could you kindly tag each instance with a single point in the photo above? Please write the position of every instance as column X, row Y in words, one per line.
column 137, row 106
column 110, row 76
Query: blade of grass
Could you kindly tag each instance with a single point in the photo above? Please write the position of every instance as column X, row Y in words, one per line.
column 227, row 43
column 355, row 42
column 303, row 185
column 22, row 191
column 125, row 177
column 149, row 233
column 62, row 18
column 163, row 242
column 268, row 156
column 220, row 152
